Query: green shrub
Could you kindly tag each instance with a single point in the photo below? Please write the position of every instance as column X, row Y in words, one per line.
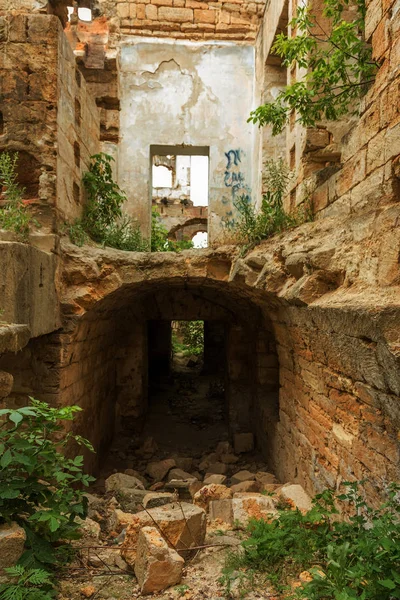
column 28, row 584
column 188, row 339
column 14, row 216
column 251, row 227
column 104, row 222
column 358, row 557
column 40, row 488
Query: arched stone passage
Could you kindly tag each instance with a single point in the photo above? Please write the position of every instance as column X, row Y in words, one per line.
column 105, row 357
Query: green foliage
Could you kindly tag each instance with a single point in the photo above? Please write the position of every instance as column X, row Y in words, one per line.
column 358, row 557
column 338, row 66
column 30, row 584
column 159, row 237
column 251, row 227
column 188, row 339
column 181, row 589
column 104, row 222
column 14, row 216
column 40, row 488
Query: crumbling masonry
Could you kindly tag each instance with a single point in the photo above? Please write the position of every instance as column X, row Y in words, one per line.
column 311, row 317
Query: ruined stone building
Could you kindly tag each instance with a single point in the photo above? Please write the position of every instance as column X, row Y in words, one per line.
column 305, row 327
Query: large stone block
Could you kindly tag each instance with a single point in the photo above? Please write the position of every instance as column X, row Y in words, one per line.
column 181, row 524
column 157, row 566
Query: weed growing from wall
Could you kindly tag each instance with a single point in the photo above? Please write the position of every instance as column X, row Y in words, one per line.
column 336, row 60
column 14, row 216
column 252, row 227
column 103, row 220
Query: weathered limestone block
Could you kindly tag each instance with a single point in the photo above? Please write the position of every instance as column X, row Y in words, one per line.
column 218, row 468
column 12, row 540
column 211, row 492
column 179, row 475
column 246, row 486
column 154, row 499
column 246, row 506
column 119, row 482
column 157, row 566
column 158, row 470
column 182, row 524
column 213, row 478
column 241, row 476
column 296, row 495
column 221, row 510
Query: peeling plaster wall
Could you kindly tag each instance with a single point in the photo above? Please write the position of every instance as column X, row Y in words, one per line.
column 190, row 93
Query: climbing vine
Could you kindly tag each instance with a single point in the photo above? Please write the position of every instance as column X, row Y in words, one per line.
column 337, row 62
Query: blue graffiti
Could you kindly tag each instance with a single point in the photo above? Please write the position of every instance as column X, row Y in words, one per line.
column 236, row 158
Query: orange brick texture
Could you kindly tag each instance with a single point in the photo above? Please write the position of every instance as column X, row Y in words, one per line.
column 187, row 19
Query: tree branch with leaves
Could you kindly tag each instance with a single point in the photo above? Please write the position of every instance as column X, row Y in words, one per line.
column 338, row 67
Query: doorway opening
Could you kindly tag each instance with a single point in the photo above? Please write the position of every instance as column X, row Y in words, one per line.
column 179, row 189
column 186, row 387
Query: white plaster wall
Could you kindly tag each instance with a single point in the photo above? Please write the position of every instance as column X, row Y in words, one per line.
column 192, row 93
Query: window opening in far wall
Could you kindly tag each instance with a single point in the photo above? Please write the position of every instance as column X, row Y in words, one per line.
column 179, row 196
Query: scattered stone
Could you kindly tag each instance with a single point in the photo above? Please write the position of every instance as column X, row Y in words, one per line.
column 12, row 540
column 243, row 442
column 297, row 497
column 184, row 463
column 265, row 478
column 207, row 461
column 224, row 540
column 252, row 506
column 159, row 470
column 181, row 487
column 179, row 475
column 221, row 510
column 229, row 459
column 182, row 524
column 96, row 505
column 119, row 520
column 223, row 448
column 120, row 481
column 241, row 476
column 217, row 468
column 156, row 486
column 157, row 566
column 211, row 478
column 153, row 499
column 88, row 591
column 246, row 486
column 89, row 527
column 130, row 499
column 137, row 475
column 192, row 361
column 211, row 492
column 194, row 487
column 197, row 475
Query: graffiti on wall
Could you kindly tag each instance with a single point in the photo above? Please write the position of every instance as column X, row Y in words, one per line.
column 235, row 180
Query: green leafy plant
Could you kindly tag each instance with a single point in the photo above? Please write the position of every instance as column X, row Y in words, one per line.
column 40, row 488
column 355, row 557
column 14, row 215
column 104, row 222
column 159, row 237
column 188, row 338
column 29, row 584
column 336, row 60
column 251, row 227
column 182, row 589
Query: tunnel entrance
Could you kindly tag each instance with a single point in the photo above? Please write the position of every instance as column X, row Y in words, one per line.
column 187, row 409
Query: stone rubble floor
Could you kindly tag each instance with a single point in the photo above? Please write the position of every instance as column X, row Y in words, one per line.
column 178, row 426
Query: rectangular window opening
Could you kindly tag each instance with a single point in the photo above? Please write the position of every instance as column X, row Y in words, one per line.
column 179, row 176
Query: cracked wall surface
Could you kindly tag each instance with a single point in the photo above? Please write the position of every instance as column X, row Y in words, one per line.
column 206, row 111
